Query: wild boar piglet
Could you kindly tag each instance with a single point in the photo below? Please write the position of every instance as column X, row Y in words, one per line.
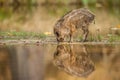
column 71, row 22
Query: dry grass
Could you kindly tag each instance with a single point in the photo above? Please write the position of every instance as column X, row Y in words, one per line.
column 42, row 21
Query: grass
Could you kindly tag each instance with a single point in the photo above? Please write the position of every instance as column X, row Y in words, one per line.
column 114, row 38
column 13, row 35
column 4, row 14
column 101, row 38
column 21, row 35
column 97, row 38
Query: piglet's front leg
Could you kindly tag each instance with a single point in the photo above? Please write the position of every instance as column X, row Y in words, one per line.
column 85, row 34
column 71, row 38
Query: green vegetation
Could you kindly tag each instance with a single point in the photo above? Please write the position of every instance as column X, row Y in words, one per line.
column 8, row 35
column 4, row 13
column 101, row 38
column 114, row 38
column 52, row 7
column 21, row 35
column 58, row 6
column 97, row 38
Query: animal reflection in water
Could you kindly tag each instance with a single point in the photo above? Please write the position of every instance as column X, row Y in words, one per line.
column 72, row 61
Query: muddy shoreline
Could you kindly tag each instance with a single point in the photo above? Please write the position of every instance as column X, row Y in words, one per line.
column 23, row 41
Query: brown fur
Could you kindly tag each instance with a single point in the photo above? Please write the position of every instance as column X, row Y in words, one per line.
column 74, row 62
column 69, row 23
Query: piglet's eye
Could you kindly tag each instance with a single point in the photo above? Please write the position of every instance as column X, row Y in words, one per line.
column 57, row 33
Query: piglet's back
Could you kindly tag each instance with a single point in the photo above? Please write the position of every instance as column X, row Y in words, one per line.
column 77, row 14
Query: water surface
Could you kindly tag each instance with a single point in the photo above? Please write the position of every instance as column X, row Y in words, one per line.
column 60, row 62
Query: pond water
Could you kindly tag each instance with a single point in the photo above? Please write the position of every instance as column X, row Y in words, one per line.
column 60, row 62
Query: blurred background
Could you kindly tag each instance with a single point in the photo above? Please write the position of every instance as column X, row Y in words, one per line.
column 41, row 15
